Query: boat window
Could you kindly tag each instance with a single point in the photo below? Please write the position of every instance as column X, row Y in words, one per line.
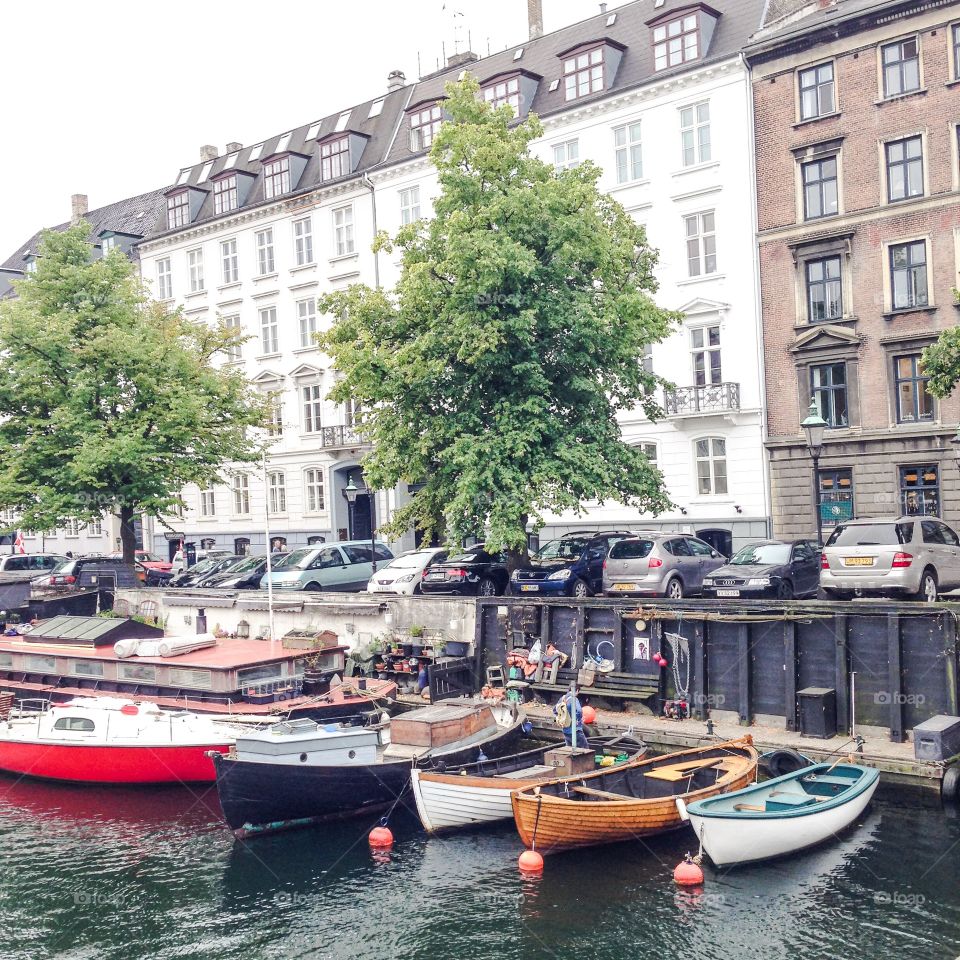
column 184, row 677
column 266, row 671
column 86, row 668
column 6, row 659
column 631, row 549
column 137, row 671
column 76, row 724
column 40, row 663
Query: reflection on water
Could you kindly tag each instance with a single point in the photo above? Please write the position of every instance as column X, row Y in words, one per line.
column 114, row 873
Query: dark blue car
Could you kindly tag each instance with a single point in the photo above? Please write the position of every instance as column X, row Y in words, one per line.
column 571, row 566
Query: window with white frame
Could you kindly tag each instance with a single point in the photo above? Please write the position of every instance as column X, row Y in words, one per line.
column 627, row 152
column 266, row 262
column 95, row 528
column 312, row 407
column 275, row 414
column 303, row 241
column 503, row 92
column 583, row 73
column 277, row 491
column 71, row 528
column 107, row 244
column 711, row 457
column 313, row 490
column 647, row 361
column 409, row 205
column 276, row 178
column 269, row 331
column 234, row 350
column 307, row 320
column 700, row 231
column 695, row 133
column 195, row 270
column 352, row 412
column 230, row 271
column 424, row 125
column 566, row 155
column 178, row 210
column 955, row 50
column 343, row 230
column 241, row 494
column 649, row 449
column 705, row 355
column 335, row 158
column 208, row 503
column 225, row 194
column 164, row 279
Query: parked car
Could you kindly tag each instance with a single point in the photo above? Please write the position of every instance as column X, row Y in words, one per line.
column 149, row 561
column 192, row 576
column 244, row 575
column 570, row 566
column 84, row 572
column 151, row 577
column 179, row 563
column 404, row 573
column 471, row 572
column 29, row 562
column 768, row 568
column 330, row 566
column 659, row 564
column 915, row 557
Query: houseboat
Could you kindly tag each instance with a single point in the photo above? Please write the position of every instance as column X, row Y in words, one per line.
column 67, row 657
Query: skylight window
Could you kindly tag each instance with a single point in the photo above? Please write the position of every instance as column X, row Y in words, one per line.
column 184, row 176
column 518, row 54
column 553, row 85
column 375, row 108
column 611, row 20
column 255, row 152
column 342, row 121
column 231, row 160
column 283, row 143
column 314, row 131
column 205, row 172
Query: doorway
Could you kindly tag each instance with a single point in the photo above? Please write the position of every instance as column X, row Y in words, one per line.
column 720, row 540
column 362, row 517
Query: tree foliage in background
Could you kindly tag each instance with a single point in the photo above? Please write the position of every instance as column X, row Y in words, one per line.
column 110, row 402
column 494, row 373
column 941, row 363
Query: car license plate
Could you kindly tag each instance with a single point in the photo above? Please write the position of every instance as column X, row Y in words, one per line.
column 623, row 586
column 435, row 576
column 529, row 587
column 728, row 593
column 858, row 561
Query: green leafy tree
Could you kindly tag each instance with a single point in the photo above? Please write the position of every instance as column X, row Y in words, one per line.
column 941, row 363
column 110, row 402
column 494, row 372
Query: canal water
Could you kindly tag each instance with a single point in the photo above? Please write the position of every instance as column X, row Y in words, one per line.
column 128, row 874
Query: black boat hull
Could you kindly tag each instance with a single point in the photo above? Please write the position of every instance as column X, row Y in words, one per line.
column 261, row 797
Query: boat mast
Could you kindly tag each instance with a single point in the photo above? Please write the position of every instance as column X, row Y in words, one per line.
column 266, row 530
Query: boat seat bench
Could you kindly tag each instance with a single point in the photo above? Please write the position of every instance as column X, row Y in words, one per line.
column 830, row 781
column 601, row 794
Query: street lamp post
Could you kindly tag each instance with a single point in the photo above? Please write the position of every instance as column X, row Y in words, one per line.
column 814, row 427
column 351, row 492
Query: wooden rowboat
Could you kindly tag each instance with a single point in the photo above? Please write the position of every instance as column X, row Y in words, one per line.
column 479, row 793
column 630, row 801
column 782, row 816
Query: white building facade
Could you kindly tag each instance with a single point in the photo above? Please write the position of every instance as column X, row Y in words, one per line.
column 657, row 97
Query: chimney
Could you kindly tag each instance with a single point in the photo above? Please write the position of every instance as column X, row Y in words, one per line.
column 233, row 147
column 535, row 18
column 396, row 80
column 208, row 152
column 456, row 59
column 603, row 8
column 78, row 207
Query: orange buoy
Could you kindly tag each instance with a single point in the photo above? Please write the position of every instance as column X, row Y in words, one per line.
column 381, row 838
column 530, row 862
column 589, row 715
column 688, row 873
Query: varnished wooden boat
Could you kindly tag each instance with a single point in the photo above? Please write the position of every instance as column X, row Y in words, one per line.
column 632, row 800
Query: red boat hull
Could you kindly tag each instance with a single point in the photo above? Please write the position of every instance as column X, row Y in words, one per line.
column 82, row 763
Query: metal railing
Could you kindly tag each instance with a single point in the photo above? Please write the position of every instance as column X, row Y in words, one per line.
column 709, row 398
column 334, row 437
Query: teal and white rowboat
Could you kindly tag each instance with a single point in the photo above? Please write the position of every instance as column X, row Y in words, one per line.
column 781, row 816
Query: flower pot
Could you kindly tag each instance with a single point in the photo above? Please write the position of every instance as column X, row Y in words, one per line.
column 456, row 648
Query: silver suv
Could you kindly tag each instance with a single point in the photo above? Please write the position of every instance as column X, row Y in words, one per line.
column 659, row 565
column 905, row 556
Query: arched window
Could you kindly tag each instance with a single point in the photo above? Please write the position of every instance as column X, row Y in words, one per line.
column 241, row 546
column 711, row 457
column 313, row 493
column 75, row 724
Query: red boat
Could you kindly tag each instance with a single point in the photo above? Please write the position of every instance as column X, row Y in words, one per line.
column 107, row 740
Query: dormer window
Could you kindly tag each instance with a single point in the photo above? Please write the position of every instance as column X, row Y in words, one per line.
column 225, row 195
column 335, row 158
column 107, row 244
column 583, row 74
column 506, row 90
column 178, row 210
column 424, row 124
column 30, row 264
column 276, row 177
column 681, row 36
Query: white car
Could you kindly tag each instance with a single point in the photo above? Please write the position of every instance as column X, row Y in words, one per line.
column 402, row 575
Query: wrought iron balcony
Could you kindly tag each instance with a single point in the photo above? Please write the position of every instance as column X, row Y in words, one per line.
column 710, row 398
column 341, row 438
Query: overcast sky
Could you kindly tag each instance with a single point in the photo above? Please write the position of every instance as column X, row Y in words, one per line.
column 111, row 99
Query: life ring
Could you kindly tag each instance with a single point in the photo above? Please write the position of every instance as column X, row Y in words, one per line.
column 950, row 784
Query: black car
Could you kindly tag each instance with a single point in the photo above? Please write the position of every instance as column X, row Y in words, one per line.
column 571, row 566
column 768, row 568
column 469, row 572
column 193, row 576
column 85, row 572
column 245, row 575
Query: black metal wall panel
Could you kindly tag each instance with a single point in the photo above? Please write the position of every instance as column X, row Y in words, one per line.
column 867, row 657
column 767, row 669
column 926, row 647
column 816, row 653
column 723, row 666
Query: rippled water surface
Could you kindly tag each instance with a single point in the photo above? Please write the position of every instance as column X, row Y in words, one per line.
column 129, row 874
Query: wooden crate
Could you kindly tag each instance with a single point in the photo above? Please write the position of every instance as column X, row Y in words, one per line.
column 441, row 724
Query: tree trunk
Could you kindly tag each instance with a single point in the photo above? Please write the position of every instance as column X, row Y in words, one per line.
column 519, row 558
column 128, row 536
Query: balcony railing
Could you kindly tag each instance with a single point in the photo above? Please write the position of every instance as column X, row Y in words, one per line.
column 332, row 438
column 710, row 398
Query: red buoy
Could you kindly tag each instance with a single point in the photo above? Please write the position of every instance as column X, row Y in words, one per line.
column 130, row 709
column 589, row 715
column 530, row 862
column 381, row 838
column 688, row 873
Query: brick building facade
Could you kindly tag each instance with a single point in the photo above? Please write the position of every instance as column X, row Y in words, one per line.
column 857, row 126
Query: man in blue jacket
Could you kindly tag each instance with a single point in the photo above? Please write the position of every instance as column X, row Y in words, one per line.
column 568, row 712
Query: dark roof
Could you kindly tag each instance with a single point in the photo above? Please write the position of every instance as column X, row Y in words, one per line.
column 134, row 216
column 6, row 275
